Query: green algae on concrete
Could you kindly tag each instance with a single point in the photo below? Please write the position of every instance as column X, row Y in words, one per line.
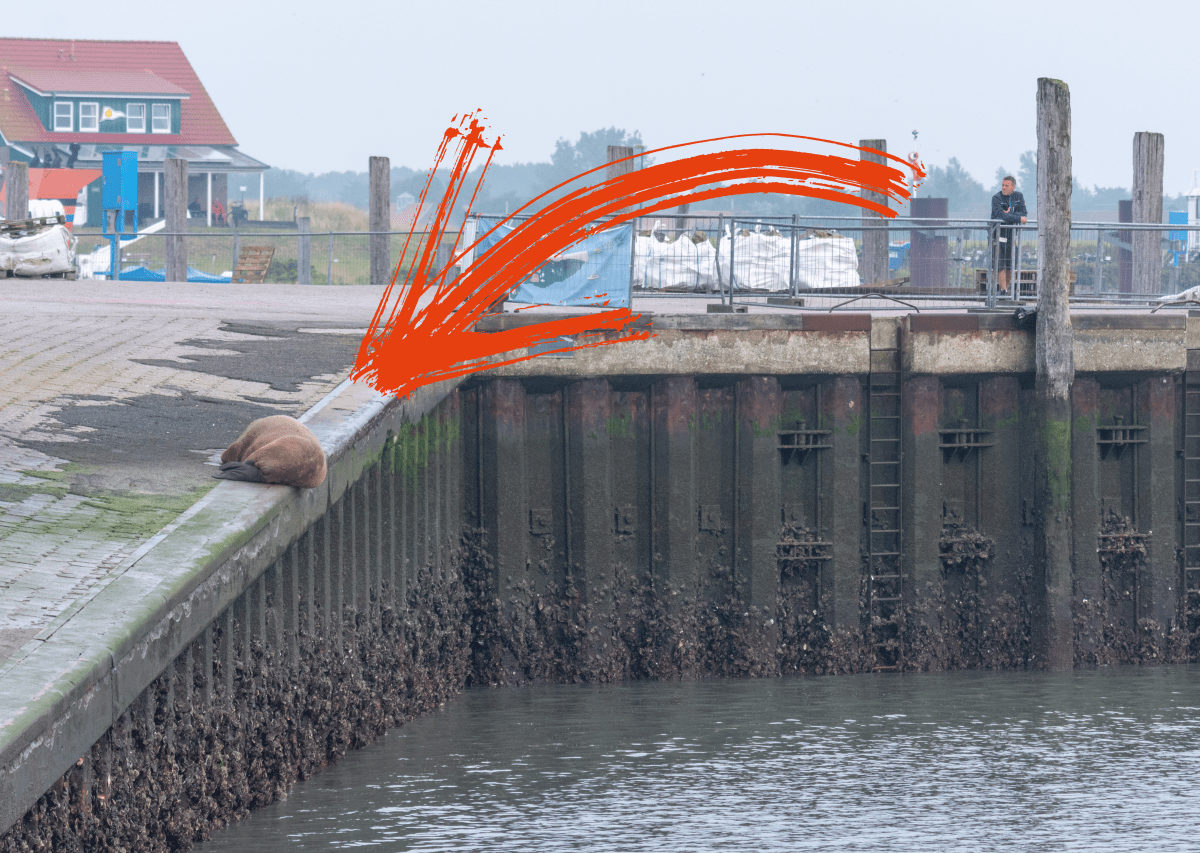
column 413, row 444
column 141, row 515
column 1056, row 441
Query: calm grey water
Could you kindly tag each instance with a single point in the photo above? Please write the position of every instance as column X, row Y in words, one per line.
column 1106, row 760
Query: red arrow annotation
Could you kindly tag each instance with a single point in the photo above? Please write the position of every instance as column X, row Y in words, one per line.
column 428, row 334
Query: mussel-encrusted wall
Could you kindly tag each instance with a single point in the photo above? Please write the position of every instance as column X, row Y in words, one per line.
column 533, row 530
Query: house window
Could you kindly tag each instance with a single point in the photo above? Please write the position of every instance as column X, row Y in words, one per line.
column 135, row 118
column 89, row 117
column 64, row 114
column 160, row 118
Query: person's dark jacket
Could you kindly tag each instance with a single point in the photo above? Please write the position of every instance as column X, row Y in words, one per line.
column 1009, row 208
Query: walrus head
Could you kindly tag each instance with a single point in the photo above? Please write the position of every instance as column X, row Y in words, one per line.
column 278, row 450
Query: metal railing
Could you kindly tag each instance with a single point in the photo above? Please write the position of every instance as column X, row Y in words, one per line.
column 810, row 262
column 334, row 257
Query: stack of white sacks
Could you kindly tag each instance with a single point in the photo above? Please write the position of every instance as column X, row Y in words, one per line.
column 824, row 259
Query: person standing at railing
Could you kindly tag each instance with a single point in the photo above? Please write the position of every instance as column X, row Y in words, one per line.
column 1008, row 206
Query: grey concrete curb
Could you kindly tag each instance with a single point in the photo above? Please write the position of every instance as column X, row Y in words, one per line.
column 85, row 669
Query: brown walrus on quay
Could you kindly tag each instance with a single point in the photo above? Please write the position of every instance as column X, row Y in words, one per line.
column 278, row 450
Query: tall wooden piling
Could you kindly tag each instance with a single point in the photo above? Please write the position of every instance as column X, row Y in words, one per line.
column 16, row 193
column 175, row 170
column 1052, row 642
column 614, row 169
column 1148, row 153
column 874, row 243
column 304, row 250
column 380, row 219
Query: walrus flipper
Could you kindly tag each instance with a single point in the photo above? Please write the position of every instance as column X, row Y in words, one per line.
column 246, row 472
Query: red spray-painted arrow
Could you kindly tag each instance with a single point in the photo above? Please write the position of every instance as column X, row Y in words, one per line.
column 429, row 333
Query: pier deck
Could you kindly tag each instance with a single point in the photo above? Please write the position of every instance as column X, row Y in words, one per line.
column 115, row 401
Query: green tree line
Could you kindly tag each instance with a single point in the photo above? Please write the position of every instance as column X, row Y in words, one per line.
column 508, row 187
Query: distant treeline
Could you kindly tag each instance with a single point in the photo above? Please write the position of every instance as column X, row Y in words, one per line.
column 505, row 189
column 969, row 199
column 508, row 187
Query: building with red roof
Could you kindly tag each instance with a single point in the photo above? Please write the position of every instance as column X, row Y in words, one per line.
column 64, row 101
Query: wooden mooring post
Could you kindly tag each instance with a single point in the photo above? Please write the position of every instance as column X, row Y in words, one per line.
column 1148, row 153
column 16, row 196
column 874, row 243
column 1053, row 645
column 379, row 206
column 614, row 154
column 175, row 170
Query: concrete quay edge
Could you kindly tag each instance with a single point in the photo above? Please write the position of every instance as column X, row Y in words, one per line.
column 943, row 343
column 81, row 673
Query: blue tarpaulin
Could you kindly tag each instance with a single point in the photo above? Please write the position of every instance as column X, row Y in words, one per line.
column 143, row 274
column 590, row 272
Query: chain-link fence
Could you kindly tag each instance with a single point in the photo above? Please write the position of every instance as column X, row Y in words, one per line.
column 812, row 262
column 858, row 263
column 333, row 257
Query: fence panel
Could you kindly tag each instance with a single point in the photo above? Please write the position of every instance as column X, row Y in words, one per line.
column 749, row 259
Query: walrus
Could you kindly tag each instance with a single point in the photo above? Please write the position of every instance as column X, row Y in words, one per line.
column 278, row 450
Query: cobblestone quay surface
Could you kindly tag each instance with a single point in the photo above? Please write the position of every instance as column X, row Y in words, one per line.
column 114, row 401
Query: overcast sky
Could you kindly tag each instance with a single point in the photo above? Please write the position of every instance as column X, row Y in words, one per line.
column 320, row 86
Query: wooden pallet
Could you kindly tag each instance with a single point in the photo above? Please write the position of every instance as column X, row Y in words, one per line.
column 252, row 265
column 24, row 227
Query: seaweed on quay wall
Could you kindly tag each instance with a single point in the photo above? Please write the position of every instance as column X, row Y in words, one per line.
column 173, row 769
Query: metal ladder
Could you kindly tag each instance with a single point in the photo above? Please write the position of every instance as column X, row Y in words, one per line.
column 1191, row 498
column 885, row 544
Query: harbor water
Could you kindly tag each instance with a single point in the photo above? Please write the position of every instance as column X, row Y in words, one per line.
column 1095, row 760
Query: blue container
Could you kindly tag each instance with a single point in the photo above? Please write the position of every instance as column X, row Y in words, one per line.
column 118, row 195
column 120, row 173
column 1177, row 217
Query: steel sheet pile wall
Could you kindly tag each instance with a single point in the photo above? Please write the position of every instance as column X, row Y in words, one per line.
column 722, row 524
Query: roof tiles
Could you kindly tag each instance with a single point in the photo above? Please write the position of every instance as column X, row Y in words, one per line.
column 87, row 81
column 136, row 61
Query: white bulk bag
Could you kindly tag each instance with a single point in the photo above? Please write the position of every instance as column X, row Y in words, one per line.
column 677, row 265
column 760, row 261
column 826, row 262
column 46, row 253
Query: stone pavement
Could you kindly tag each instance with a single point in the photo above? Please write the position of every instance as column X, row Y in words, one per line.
column 115, row 401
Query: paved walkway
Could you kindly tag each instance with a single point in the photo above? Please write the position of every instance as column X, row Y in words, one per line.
column 116, row 399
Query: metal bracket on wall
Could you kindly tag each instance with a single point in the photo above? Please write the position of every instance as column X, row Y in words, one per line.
column 710, row 517
column 797, row 442
column 625, row 520
column 958, row 443
column 1118, row 435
